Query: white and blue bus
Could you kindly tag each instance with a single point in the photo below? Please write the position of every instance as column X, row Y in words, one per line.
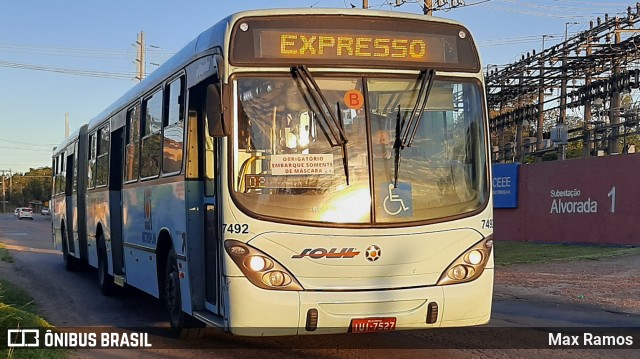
column 293, row 172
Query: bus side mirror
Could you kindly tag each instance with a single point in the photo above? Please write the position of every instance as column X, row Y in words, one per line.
column 218, row 124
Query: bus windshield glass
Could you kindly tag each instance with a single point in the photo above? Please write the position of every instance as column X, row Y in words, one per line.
column 287, row 163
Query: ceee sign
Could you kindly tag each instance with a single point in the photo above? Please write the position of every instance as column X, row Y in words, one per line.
column 505, row 185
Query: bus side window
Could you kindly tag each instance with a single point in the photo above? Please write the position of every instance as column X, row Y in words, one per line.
column 173, row 129
column 91, row 170
column 62, row 175
column 132, row 152
column 151, row 127
column 102, row 156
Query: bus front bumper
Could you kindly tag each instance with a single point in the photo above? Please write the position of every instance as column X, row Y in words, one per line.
column 259, row 312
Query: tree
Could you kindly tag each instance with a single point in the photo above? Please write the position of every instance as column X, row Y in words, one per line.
column 34, row 185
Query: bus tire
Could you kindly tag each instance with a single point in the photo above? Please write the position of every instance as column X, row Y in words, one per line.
column 107, row 287
column 70, row 262
column 183, row 325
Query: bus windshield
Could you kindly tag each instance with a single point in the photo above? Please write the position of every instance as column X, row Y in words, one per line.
column 288, row 164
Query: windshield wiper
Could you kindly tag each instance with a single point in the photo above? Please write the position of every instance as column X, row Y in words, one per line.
column 409, row 131
column 345, row 154
column 335, row 134
column 397, row 146
column 338, row 137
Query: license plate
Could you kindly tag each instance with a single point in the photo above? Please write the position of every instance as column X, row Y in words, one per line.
column 368, row 325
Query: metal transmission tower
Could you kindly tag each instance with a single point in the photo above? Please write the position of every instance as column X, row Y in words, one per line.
column 591, row 73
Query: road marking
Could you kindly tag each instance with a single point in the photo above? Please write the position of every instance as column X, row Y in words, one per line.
column 15, row 234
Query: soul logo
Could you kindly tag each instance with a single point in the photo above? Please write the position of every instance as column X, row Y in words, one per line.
column 317, row 253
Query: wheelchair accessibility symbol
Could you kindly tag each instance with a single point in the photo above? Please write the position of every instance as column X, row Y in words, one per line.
column 397, row 201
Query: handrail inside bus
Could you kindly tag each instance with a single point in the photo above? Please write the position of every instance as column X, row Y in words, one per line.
column 243, row 170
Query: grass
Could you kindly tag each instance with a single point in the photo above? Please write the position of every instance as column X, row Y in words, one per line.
column 5, row 256
column 17, row 310
column 508, row 252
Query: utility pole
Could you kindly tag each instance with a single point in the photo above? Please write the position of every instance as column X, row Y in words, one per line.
column 4, row 197
column 502, row 154
column 4, row 189
column 587, row 144
column 365, row 4
column 563, row 85
column 614, row 104
column 140, row 58
column 521, row 124
column 540, row 131
column 66, row 124
column 428, row 7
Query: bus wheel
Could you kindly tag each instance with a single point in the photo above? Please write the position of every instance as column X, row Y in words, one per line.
column 70, row 263
column 105, row 280
column 182, row 324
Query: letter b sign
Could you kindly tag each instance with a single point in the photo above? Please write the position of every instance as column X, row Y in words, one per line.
column 354, row 99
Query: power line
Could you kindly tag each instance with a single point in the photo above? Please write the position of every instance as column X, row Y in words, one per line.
column 70, row 71
column 587, row 10
column 561, row 8
column 30, row 155
column 26, row 149
column 77, row 52
column 464, row 5
column 528, row 12
column 29, row 144
column 522, row 39
column 589, row 3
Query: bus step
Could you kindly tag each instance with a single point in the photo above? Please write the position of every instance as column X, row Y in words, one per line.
column 209, row 318
column 119, row 280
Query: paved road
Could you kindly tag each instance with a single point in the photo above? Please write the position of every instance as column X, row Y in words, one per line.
column 72, row 299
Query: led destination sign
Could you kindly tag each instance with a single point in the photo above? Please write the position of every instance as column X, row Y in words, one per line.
column 372, row 45
column 352, row 41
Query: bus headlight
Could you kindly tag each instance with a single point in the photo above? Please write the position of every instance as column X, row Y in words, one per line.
column 261, row 270
column 276, row 278
column 469, row 265
column 258, row 263
column 474, row 257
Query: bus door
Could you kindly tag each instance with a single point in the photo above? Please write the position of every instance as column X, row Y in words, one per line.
column 212, row 243
column 202, row 186
column 115, row 199
column 70, row 195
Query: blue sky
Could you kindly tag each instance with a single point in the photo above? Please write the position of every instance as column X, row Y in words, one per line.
column 45, row 45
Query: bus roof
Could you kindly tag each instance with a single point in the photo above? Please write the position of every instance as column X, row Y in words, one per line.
column 337, row 11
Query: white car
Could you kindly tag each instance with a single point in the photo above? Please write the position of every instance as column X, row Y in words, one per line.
column 24, row 212
column 45, row 211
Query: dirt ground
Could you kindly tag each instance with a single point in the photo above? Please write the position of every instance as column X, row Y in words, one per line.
column 612, row 283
